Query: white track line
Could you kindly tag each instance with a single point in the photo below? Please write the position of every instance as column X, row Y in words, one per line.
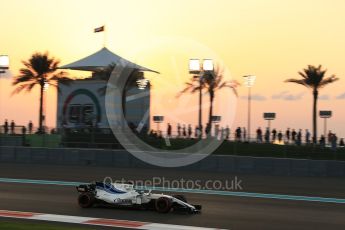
column 96, row 221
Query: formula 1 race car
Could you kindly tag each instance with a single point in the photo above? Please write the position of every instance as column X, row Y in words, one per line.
column 125, row 195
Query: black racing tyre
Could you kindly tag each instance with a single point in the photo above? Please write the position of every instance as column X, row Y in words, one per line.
column 86, row 200
column 180, row 197
column 163, row 205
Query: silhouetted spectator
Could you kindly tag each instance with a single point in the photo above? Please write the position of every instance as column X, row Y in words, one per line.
column 341, row 143
column 274, row 134
column 227, row 133
column 184, row 131
column 322, row 141
column 216, row 131
column 178, row 130
column 314, row 139
column 238, row 134
column 329, row 137
column 245, row 134
column 53, row 131
column 307, row 136
column 189, row 131
column 12, row 126
column 299, row 137
column 293, row 135
column 153, row 134
column 287, row 135
column 280, row 136
column 267, row 135
column 207, row 129
column 334, row 140
column 159, row 134
column 259, row 135
column 196, row 132
column 169, row 129
column 222, row 133
column 30, row 127
column 6, row 126
column 23, row 130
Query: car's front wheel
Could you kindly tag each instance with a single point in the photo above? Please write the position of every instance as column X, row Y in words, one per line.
column 163, row 205
column 86, row 200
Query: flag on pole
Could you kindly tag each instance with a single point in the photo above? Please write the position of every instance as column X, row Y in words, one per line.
column 99, row 29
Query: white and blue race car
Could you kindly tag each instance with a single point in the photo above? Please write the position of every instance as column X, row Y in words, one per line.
column 125, row 195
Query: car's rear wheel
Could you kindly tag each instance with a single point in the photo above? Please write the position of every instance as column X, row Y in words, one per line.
column 163, row 205
column 86, row 200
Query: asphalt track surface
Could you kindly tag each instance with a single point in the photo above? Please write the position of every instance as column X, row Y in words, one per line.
column 219, row 211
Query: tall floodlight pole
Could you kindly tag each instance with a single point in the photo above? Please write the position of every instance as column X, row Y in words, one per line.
column 269, row 117
column 249, row 82
column 325, row 114
column 4, row 63
column 198, row 70
column 44, row 114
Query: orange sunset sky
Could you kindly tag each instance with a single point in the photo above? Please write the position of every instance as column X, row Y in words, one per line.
column 271, row 39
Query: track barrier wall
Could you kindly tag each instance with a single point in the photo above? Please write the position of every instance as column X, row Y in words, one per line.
column 213, row 163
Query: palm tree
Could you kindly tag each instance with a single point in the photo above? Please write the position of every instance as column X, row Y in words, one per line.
column 211, row 81
column 314, row 78
column 39, row 70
